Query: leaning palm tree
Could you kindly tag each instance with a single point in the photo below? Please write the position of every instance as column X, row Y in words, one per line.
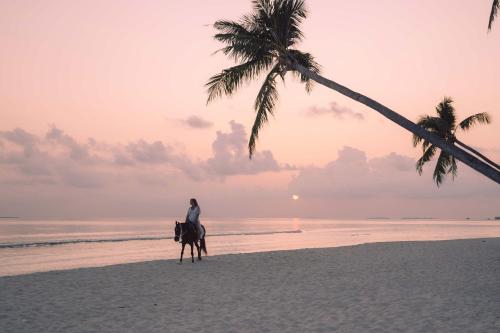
column 445, row 126
column 494, row 10
column 265, row 41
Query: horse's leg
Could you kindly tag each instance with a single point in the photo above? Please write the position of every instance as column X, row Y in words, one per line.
column 198, row 249
column 192, row 254
column 182, row 251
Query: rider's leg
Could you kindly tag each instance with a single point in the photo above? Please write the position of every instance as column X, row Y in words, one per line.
column 198, row 229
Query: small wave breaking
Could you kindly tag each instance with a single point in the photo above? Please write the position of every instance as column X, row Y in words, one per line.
column 128, row 239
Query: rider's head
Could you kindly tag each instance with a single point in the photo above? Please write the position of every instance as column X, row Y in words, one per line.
column 193, row 202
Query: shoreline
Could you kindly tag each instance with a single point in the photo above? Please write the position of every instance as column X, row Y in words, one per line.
column 187, row 257
column 446, row 286
column 99, row 245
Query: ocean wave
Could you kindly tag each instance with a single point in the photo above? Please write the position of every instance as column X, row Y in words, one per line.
column 113, row 240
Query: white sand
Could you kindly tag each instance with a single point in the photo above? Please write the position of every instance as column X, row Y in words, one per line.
column 445, row 286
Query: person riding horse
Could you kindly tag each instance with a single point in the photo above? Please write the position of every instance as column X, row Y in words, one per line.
column 193, row 217
column 191, row 232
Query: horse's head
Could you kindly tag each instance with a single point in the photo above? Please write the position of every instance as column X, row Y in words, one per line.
column 177, row 231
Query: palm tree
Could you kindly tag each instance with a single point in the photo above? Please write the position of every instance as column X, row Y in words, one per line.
column 265, row 40
column 494, row 10
column 445, row 126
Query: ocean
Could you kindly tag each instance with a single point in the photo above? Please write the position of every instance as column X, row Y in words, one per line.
column 28, row 246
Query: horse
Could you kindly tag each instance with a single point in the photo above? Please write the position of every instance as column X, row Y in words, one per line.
column 187, row 235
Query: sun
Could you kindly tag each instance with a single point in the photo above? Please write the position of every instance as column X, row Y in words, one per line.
column 295, row 197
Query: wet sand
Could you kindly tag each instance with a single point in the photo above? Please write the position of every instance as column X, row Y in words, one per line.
column 224, row 237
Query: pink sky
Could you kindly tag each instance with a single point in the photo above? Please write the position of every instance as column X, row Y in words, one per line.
column 130, row 74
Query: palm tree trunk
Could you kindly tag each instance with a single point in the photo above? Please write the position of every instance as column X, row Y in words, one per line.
column 451, row 149
column 495, row 6
column 472, row 150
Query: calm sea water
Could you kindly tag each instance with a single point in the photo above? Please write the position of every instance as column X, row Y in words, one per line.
column 37, row 246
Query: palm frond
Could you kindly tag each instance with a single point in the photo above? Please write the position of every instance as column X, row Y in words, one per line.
column 243, row 43
column 261, row 17
column 264, row 106
column 494, row 11
column 446, row 112
column 425, row 144
column 307, row 61
column 416, row 140
column 442, row 167
column 231, row 27
column 252, row 22
column 263, row 8
column 478, row 118
column 285, row 20
column 229, row 80
column 426, row 157
column 431, row 124
column 453, row 168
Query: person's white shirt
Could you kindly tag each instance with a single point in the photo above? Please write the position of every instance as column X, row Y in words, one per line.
column 194, row 214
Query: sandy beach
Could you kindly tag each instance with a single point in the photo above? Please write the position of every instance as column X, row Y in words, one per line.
column 440, row 286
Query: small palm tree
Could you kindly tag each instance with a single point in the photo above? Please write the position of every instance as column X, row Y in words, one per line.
column 265, row 41
column 494, row 10
column 445, row 126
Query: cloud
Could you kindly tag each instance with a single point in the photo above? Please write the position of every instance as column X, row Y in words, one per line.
column 230, row 155
column 49, row 163
column 58, row 158
column 336, row 110
column 137, row 178
column 197, row 122
column 341, row 177
column 142, row 151
column 122, row 159
column 76, row 151
column 21, row 138
column 353, row 175
column 151, row 178
column 393, row 162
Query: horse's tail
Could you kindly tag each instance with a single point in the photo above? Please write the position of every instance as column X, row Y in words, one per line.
column 203, row 245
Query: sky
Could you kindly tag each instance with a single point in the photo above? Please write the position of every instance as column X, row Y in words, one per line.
column 103, row 112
